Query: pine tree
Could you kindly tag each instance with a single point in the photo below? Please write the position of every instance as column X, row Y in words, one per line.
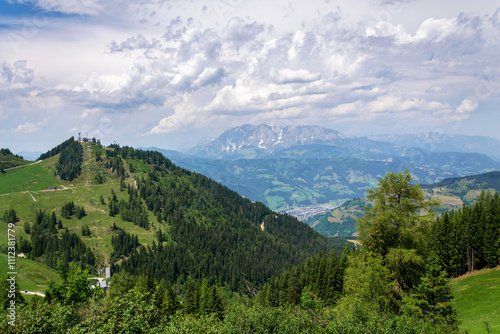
column 261, row 295
column 217, row 306
column 27, row 228
column 170, row 301
column 191, row 302
column 293, row 289
column 394, row 236
column 205, row 298
column 432, row 297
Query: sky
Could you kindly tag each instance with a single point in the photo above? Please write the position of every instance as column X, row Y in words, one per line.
column 173, row 73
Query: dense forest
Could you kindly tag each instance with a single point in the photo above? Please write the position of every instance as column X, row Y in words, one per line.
column 393, row 283
column 469, row 239
column 48, row 244
column 213, row 232
column 58, row 149
column 69, row 165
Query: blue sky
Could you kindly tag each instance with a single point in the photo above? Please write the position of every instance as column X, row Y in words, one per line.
column 173, row 73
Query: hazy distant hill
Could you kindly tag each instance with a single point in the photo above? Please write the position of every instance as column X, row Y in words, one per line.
column 439, row 142
column 29, row 155
column 166, row 153
column 466, row 189
column 340, row 221
column 452, row 192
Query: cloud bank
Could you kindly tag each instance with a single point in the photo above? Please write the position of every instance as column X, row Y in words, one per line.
column 209, row 66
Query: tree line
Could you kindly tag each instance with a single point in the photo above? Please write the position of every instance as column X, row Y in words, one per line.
column 469, row 238
column 69, row 165
column 8, row 159
column 56, row 150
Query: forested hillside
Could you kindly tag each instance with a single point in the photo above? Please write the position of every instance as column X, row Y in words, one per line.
column 213, row 232
column 10, row 160
column 133, row 210
column 469, row 238
column 393, row 283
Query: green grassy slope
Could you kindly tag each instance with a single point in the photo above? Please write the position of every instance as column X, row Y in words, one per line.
column 31, row 275
column 477, row 300
column 10, row 160
column 33, row 177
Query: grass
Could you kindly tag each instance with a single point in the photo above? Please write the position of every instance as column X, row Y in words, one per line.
column 477, row 300
column 33, row 177
column 31, row 275
column 449, row 199
column 3, row 265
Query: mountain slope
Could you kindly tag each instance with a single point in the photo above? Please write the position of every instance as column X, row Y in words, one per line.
column 301, row 180
column 9, row 160
column 250, row 141
column 186, row 224
column 464, row 190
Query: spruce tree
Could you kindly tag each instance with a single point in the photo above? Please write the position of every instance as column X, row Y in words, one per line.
column 217, row 307
column 170, row 301
column 205, row 297
column 191, row 302
column 293, row 288
column 432, row 297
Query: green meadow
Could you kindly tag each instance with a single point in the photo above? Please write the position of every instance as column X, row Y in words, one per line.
column 477, row 300
column 31, row 275
column 33, row 177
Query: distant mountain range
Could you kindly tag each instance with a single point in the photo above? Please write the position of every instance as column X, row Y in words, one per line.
column 299, row 169
column 30, row 155
column 249, row 141
column 439, row 142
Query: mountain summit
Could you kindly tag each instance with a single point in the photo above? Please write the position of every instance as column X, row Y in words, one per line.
column 253, row 141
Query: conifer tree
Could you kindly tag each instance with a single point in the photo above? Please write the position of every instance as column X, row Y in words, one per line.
column 393, row 233
column 170, row 301
column 293, row 289
column 191, row 302
column 432, row 297
column 216, row 307
column 205, row 297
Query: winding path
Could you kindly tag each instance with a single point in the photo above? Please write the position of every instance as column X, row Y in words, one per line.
column 21, row 166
